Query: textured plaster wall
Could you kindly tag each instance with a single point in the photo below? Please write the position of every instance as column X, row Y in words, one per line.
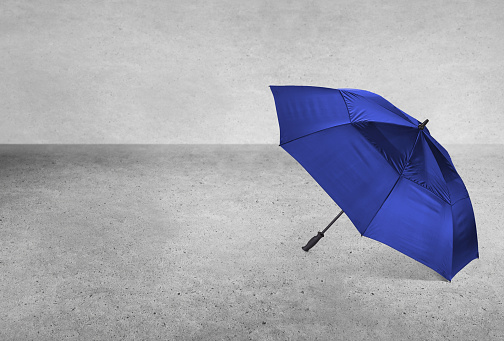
column 157, row 71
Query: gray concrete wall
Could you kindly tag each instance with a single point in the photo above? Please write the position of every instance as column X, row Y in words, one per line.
column 157, row 71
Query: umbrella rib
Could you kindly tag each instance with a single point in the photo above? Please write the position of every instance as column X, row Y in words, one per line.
column 374, row 102
column 340, row 125
column 435, row 148
column 318, row 131
column 436, row 194
column 453, row 203
column 346, row 105
column 399, row 177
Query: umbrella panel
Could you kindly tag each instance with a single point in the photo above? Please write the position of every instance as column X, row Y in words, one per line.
column 349, row 168
column 418, row 223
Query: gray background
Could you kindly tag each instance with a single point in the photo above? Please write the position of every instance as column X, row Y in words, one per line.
column 196, row 239
column 198, row 71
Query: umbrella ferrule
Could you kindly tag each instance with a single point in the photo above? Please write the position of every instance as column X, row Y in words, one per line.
column 422, row 125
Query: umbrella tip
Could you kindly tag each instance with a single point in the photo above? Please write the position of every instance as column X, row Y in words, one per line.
column 422, row 125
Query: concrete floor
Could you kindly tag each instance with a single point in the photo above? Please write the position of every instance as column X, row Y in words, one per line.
column 203, row 242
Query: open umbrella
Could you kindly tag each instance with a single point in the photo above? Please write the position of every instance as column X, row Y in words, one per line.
column 382, row 167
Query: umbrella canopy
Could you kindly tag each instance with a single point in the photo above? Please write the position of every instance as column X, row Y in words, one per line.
column 394, row 181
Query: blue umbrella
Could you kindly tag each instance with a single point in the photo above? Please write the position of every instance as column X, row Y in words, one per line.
column 382, row 167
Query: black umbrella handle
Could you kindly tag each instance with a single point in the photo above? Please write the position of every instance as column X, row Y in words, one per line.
column 312, row 242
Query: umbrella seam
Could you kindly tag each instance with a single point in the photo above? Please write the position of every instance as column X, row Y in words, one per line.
column 340, row 125
column 459, row 200
column 356, row 122
column 382, row 152
column 346, row 105
column 318, row 131
column 452, row 246
column 398, row 178
column 430, row 140
column 427, row 188
column 371, row 101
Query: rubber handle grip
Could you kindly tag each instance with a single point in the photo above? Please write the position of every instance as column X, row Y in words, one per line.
column 312, row 242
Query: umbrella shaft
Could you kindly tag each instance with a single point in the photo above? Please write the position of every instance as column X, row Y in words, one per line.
column 332, row 222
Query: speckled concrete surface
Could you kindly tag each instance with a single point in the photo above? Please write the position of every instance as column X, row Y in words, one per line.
column 193, row 242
